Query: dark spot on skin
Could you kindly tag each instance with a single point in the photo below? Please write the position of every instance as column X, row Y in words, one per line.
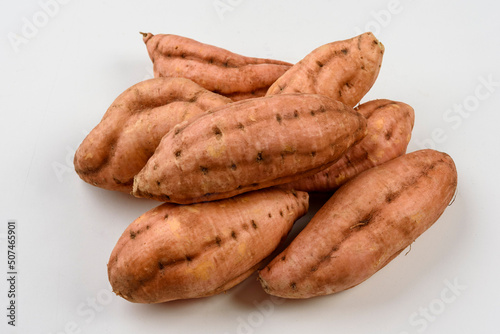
column 207, row 194
column 233, row 166
column 254, row 185
column 226, row 64
column 217, row 132
column 375, row 42
column 147, row 227
column 160, row 265
column 245, row 226
column 178, row 154
column 177, row 131
column 158, row 183
column 259, row 157
column 344, row 51
column 204, row 170
column 283, row 258
column 278, row 118
column 348, row 84
column 239, row 187
column 241, row 126
column 322, row 109
column 313, row 154
column 293, row 285
column 340, row 93
column 166, row 216
column 165, row 197
column 296, row 114
column 312, row 113
column 233, row 235
column 320, row 64
column 281, row 213
column 364, row 221
column 294, row 193
column 183, row 55
column 254, row 225
column 270, row 215
column 217, row 240
column 132, row 235
column 211, row 61
column 313, row 269
column 287, row 208
column 362, row 67
column 388, row 135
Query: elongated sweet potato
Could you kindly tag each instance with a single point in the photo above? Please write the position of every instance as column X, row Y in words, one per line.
column 120, row 145
column 190, row 251
column 389, row 132
column 249, row 145
column 344, row 70
column 365, row 225
column 219, row 70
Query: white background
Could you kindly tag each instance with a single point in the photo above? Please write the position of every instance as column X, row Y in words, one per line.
column 58, row 79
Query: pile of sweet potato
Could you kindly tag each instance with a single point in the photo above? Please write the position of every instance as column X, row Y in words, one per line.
column 232, row 144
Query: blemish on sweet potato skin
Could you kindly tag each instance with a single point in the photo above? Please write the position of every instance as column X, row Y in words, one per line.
column 191, row 251
column 365, row 224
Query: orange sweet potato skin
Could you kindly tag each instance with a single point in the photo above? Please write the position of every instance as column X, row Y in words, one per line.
column 365, row 224
column 219, row 70
column 190, row 251
column 343, row 70
column 120, row 145
column 389, row 125
column 249, row 145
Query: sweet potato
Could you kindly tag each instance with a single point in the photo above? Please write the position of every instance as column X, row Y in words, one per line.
column 120, row 145
column 389, row 125
column 343, row 70
column 219, row 70
column 249, row 145
column 190, row 251
column 364, row 225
